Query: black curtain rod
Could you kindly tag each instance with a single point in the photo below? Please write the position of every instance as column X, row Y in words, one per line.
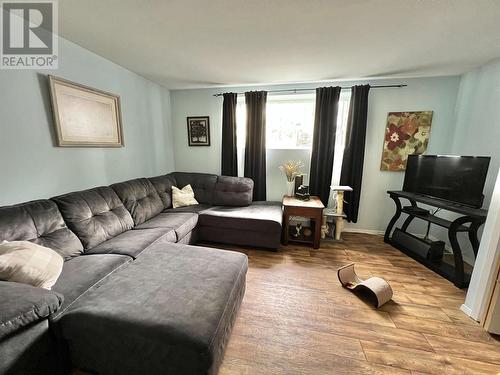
column 314, row 89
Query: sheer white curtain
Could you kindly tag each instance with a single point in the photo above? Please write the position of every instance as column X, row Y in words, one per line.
column 345, row 97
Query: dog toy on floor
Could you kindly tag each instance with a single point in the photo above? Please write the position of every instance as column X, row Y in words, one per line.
column 377, row 286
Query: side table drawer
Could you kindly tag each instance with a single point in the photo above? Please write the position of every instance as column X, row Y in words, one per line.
column 308, row 212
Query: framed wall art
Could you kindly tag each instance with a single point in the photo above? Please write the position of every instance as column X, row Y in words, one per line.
column 84, row 116
column 406, row 133
column 198, row 131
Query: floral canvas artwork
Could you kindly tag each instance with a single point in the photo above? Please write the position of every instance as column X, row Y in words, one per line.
column 407, row 133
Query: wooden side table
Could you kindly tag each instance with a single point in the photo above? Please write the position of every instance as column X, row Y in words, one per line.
column 311, row 209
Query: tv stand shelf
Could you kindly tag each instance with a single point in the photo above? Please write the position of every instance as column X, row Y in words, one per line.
column 473, row 217
column 440, row 203
column 434, row 219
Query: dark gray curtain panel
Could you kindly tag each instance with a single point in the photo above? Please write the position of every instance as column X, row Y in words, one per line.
column 323, row 149
column 229, row 163
column 255, row 145
column 354, row 152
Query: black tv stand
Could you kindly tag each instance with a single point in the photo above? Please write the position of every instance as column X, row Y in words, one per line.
column 416, row 210
column 470, row 222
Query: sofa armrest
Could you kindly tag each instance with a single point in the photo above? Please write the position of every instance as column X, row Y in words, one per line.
column 23, row 305
column 233, row 191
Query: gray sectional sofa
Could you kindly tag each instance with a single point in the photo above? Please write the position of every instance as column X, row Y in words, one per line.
column 135, row 296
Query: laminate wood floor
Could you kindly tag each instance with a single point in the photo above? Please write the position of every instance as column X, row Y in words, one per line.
column 296, row 318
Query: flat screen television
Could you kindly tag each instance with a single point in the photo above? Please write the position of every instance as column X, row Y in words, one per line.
column 458, row 179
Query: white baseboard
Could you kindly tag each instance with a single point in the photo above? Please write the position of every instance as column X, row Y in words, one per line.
column 366, row 231
column 468, row 311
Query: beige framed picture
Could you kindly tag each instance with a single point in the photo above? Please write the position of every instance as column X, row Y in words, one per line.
column 84, row 116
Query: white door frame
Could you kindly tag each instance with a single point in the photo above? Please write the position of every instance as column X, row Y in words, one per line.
column 484, row 273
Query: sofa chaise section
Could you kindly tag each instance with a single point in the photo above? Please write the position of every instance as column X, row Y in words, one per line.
column 170, row 311
column 83, row 273
column 226, row 211
column 256, row 225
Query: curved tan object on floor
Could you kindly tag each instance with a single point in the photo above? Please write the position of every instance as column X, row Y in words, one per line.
column 378, row 286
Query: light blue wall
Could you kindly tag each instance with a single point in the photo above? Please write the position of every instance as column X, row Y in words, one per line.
column 478, row 119
column 477, row 130
column 31, row 167
column 434, row 94
column 425, row 94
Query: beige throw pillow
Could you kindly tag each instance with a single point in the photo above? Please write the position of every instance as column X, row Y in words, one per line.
column 28, row 263
column 183, row 197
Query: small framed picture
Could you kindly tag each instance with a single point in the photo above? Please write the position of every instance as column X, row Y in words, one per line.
column 198, row 131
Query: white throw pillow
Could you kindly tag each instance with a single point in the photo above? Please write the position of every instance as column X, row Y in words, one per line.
column 183, row 197
column 28, row 263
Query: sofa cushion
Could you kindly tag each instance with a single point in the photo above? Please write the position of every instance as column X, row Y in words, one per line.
column 203, row 184
column 181, row 222
column 140, row 198
column 81, row 274
column 133, row 242
column 39, row 222
column 29, row 263
column 94, row 215
column 168, row 312
column 260, row 216
column 24, row 304
column 233, row 191
column 195, row 209
column 163, row 185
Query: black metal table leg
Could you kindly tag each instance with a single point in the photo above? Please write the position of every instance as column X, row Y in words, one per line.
column 410, row 217
column 474, row 226
column 393, row 220
column 457, row 251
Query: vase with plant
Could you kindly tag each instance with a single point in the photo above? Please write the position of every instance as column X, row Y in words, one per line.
column 291, row 170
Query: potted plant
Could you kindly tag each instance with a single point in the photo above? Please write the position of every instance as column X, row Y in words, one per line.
column 291, row 169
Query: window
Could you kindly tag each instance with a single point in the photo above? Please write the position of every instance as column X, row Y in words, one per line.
column 290, row 125
column 290, row 121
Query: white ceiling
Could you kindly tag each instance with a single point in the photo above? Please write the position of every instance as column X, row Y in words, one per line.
column 202, row 43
